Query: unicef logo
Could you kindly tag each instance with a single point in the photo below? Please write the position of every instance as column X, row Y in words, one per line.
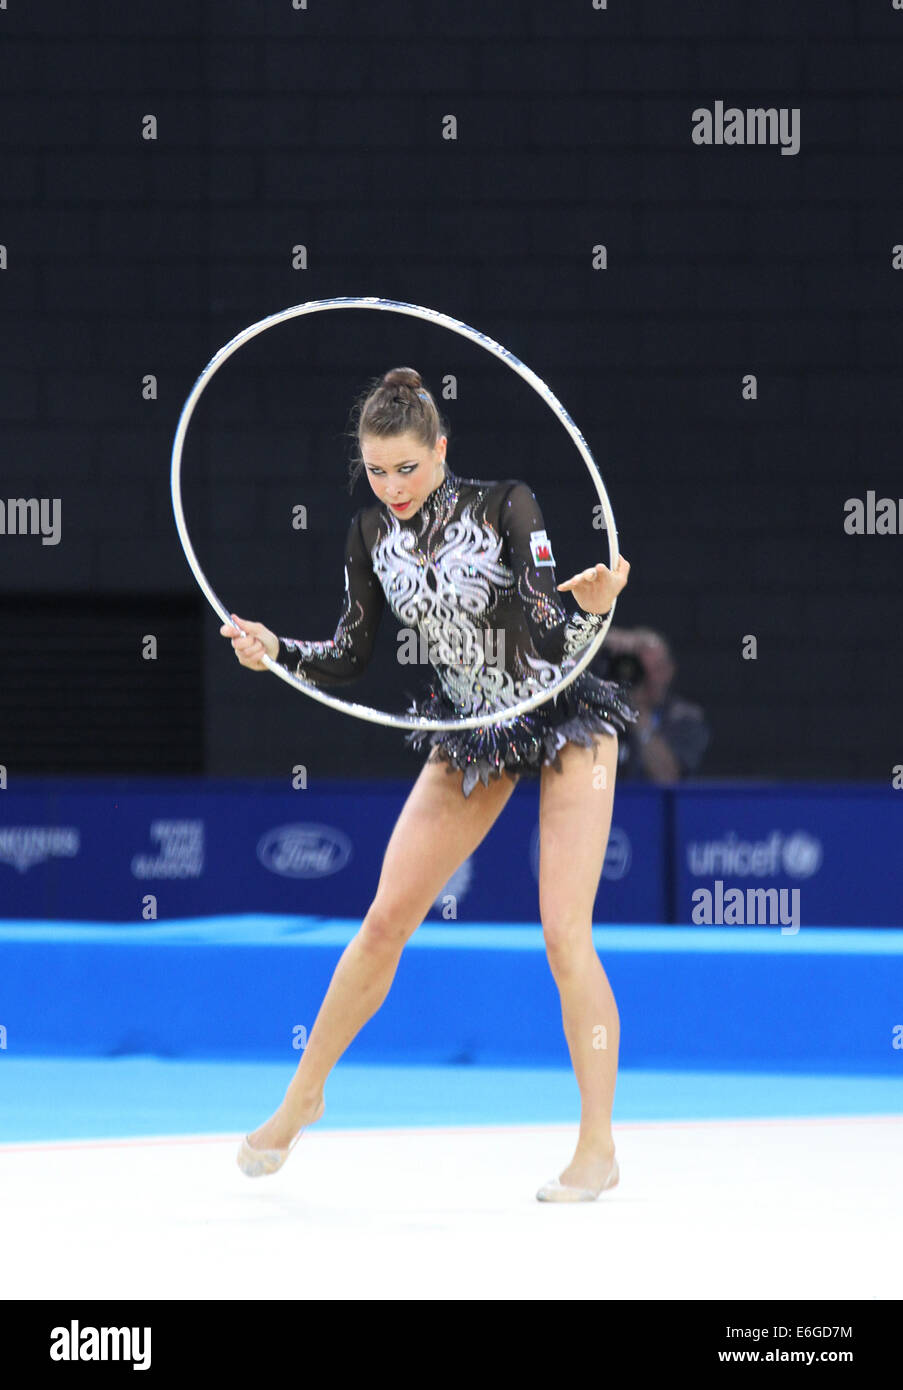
column 801, row 854
column 304, row 851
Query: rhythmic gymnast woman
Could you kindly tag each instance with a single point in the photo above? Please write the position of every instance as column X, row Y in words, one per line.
column 461, row 560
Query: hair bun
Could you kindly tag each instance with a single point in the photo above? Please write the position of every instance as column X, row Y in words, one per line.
column 403, row 376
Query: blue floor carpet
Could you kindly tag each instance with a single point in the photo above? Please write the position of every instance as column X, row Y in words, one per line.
column 46, row 1098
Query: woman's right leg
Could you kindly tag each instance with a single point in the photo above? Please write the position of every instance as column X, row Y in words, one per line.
column 437, row 829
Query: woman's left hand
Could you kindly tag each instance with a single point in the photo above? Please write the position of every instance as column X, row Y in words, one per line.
column 596, row 589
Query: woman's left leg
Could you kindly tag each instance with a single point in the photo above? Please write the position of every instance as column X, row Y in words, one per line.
column 575, row 808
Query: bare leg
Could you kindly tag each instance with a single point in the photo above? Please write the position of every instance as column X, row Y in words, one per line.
column 437, row 829
column 575, row 809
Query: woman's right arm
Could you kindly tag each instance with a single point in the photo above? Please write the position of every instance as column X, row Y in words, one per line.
column 343, row 657
column 340, row 659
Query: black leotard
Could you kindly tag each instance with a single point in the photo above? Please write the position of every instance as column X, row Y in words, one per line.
column 471, row 580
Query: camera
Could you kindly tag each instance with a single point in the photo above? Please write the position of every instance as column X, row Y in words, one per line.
column 624, row 667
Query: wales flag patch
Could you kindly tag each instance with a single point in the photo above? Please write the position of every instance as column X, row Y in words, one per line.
column 541, row 549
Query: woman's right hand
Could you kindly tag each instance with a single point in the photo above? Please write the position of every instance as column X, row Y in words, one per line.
column 250, row 649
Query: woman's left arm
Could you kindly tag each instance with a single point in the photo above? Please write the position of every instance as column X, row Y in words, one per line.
column 556, row 634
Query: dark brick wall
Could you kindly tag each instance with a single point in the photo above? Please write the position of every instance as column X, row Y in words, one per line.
column 324, row 127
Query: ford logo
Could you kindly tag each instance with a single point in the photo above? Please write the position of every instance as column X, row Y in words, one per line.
column 618, row 855
column 304, row 851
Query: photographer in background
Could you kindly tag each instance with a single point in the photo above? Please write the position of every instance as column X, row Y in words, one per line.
column 669, row 738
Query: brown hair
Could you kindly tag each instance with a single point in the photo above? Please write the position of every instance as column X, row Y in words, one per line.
column 395, row 403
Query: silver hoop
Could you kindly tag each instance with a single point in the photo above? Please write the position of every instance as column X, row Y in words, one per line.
column 315, row 306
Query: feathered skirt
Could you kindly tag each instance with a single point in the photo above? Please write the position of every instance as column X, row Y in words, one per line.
column 522, row 746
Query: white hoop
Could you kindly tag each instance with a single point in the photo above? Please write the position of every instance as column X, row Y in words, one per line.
column 431, row 316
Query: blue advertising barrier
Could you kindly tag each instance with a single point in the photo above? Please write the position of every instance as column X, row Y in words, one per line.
column 699, row 854
column 805, row 856
column 132, row 851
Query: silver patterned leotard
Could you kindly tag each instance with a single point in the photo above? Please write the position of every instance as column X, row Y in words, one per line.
column 471, row 580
